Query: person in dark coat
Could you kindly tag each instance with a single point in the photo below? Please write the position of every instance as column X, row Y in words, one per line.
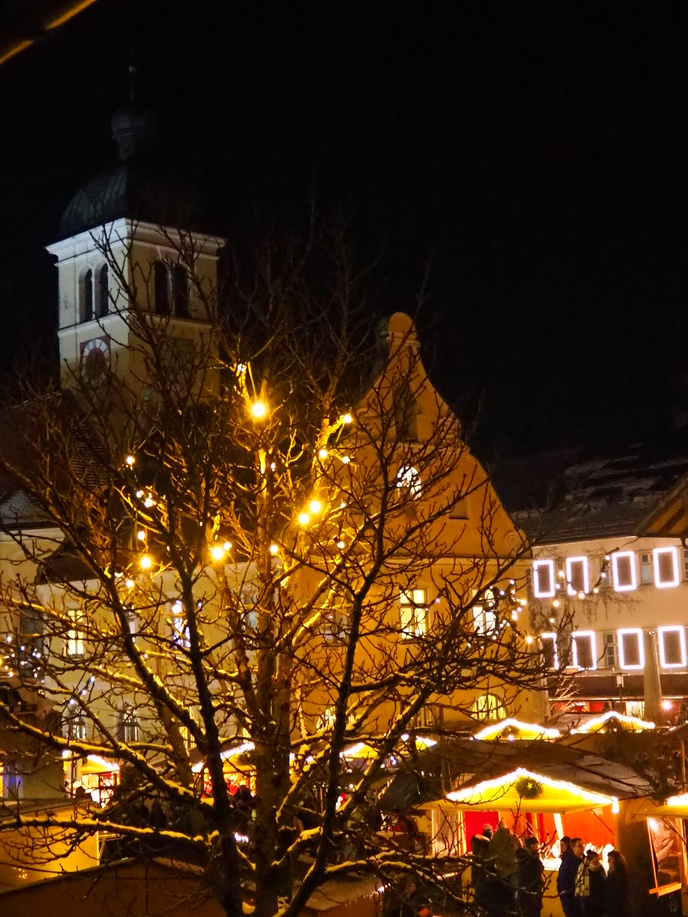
column 593, row 905
column 566, row 880
column 529, row 870
column 616, row 887
column 480, row 869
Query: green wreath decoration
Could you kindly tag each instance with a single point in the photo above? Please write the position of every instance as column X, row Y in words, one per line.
column 528, row 788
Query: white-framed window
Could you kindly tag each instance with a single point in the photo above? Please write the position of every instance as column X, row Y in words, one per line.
column 180, row 629
column 550, row 651
column 327, row 718
column 413, row 613
column 666, row 567
column 624, row 573
column 672, row 646
column 631, row 648
column 489, row 707
column 75, row 726
column 646, row 568
column 74, row 644
column 583, row 649
column 130, row 726
column 408, row 480
column 544, row 580
column 610, row 653
column 484, row 620
column 577, row 576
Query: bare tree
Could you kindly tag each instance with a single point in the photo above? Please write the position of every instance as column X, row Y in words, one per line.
column 260, row 543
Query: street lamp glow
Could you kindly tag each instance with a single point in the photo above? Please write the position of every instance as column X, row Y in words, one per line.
column 217, row 552
column 259, row 410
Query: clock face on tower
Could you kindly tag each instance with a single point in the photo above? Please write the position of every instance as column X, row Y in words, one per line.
column 95, row 358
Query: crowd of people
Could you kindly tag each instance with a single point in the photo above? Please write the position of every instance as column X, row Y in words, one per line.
column 508, row 877
column 586, row 889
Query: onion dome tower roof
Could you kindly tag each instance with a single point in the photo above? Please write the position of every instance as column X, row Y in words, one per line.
column 137, row 188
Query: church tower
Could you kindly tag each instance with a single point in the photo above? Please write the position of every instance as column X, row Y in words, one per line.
column 128, row 245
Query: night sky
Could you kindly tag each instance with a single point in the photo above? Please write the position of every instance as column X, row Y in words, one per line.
column 533, row 153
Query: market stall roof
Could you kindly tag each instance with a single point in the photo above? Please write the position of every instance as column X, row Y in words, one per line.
column 673, row 807
column 613, row 719
column 528, row 791
column 512, row 729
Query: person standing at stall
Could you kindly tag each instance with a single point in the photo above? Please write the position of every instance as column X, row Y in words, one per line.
column 529, row 878
column 616, row 888
column 566, row 880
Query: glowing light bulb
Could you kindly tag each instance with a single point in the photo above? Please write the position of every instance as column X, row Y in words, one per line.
column 341, row 545
column 322, row 453
column 217, row 552
column 145, row 562
column 130, row 460
column 141, row 535
column 304, row 518
column 274, row 549
column 347, row 418
column 315, row 506
column 529, row 639
column 129, row 584
column 345, row 460
column 259, row 410
column 148, row 502
column 227, row 545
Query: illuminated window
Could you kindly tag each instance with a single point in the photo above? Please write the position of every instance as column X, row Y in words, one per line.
column 646, row 569
column 102, row 292
column 672, row 647
column 180, row 629
column 577, row 576
column 484, row 620
column 631, row 648
column 489, row 707
column 666, row 567
column 327, row 718
column 610, row 655
column 544, row 584
column 413, row 613
column 86, row 296
column 408, row 480
column 623, row 567
column 550, row 654
column 74, row 644
column 583, row 650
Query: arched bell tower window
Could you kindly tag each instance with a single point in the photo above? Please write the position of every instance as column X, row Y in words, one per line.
column 86, row 296
column 180, row 291
column 161, row 280
column 171, row 289
column 102, row 292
